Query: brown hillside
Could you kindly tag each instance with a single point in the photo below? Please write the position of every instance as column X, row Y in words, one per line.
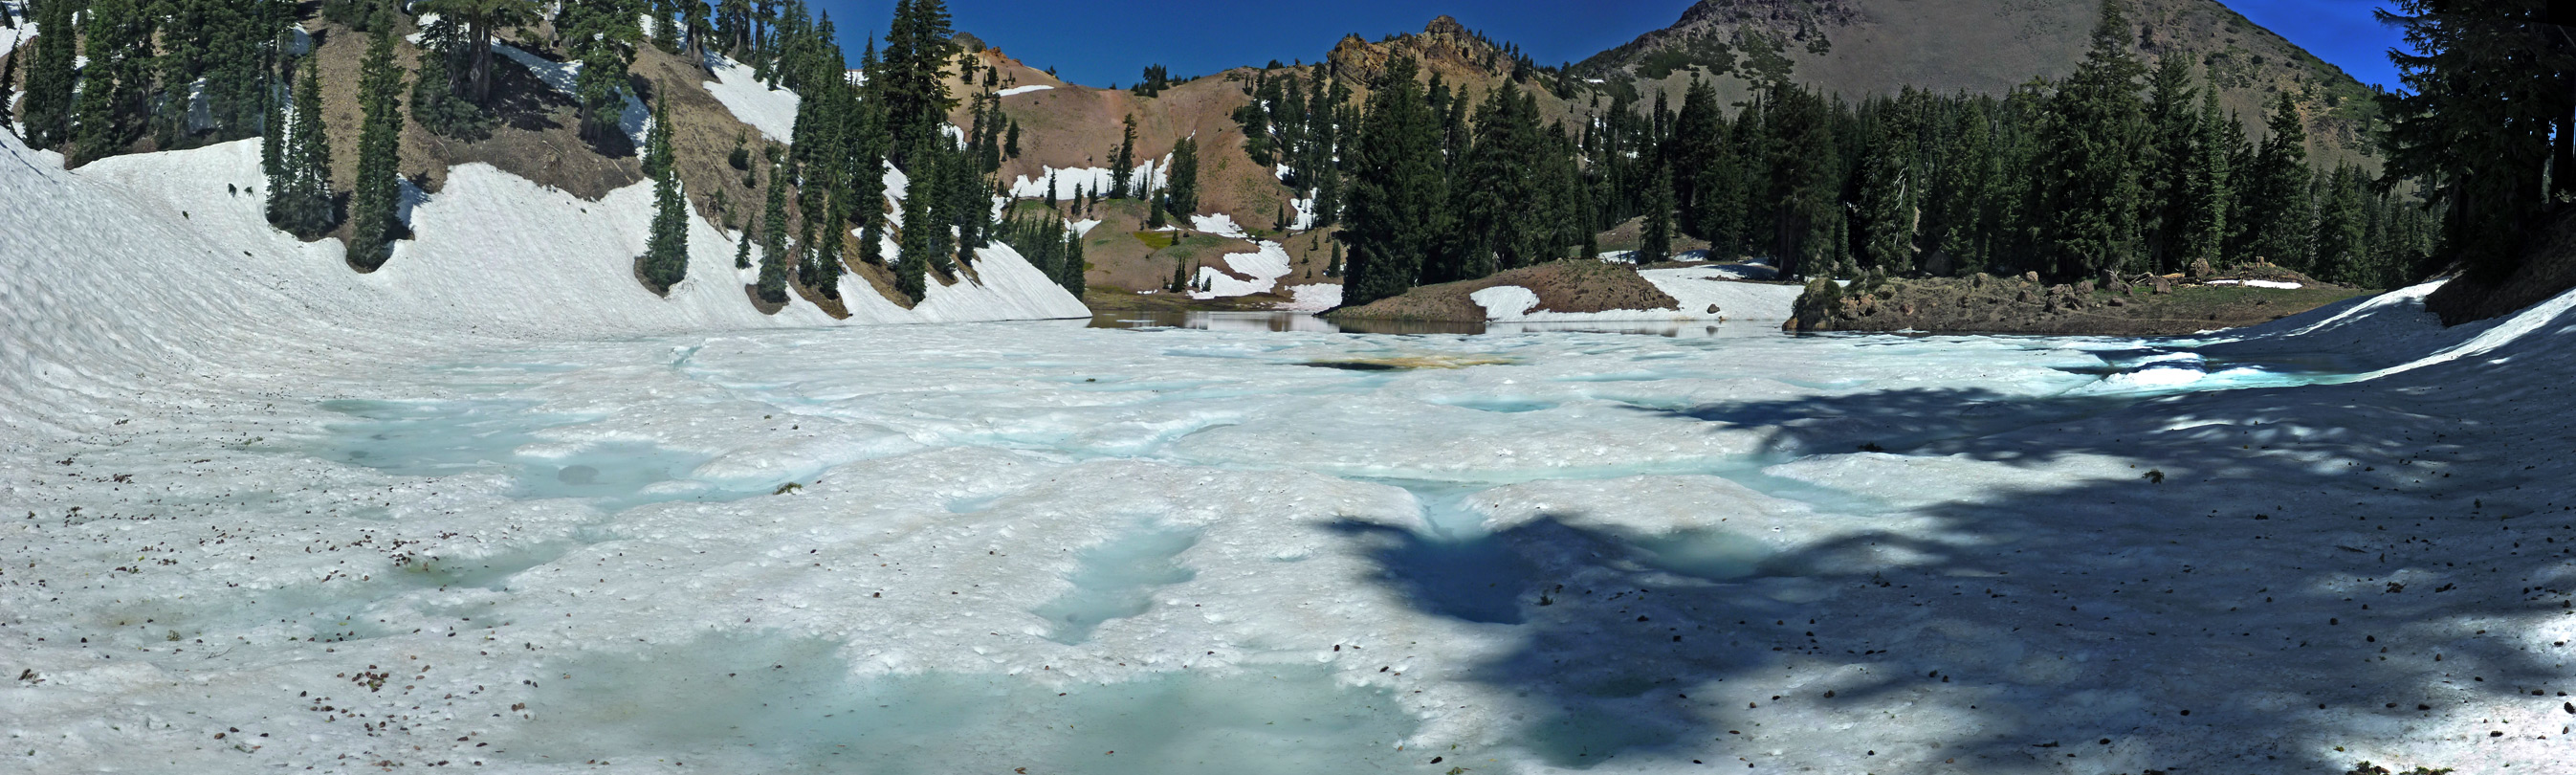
column 1863, row 47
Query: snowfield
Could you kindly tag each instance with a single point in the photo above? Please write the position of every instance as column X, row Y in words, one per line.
column 492, row 509
column 772, row 111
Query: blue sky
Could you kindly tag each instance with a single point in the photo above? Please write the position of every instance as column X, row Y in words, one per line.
column 1100, row 42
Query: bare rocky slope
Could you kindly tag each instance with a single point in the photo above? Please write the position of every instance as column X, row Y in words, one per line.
column 1864, row 47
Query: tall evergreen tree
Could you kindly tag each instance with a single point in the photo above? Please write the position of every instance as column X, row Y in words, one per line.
column 602, row 36
column 2343, row 228
column 1804, row 165
column 1398, row 198
column 2173, row 121
column 1183, row 196
column 48, row 105
column 377, row 199
column 482, row 20
column 1655, row 239
column 118, row 35
column 666, row 252
column 439, row 100
column 1122, row 164
column 919, row 250
column 2090, row 189
column 2281, row 213
column 2486, row 113
column 773, row 239
column 914, row 77
column 1890, row 192
column 1497, row 190
column 301, row 200
column 2209, row 191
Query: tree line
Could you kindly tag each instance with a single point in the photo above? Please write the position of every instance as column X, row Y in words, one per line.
column 2118, row 168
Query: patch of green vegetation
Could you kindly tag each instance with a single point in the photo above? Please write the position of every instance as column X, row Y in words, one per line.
column 1194, row 246
column 1156, row 240
column 2367, row 768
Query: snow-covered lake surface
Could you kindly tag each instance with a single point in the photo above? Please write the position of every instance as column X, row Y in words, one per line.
column 496, row 507
column 974, row 548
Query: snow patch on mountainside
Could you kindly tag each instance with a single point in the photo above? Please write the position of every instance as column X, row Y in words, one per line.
column 1019, row 90
column 772, row 111
column 1704, row 294
column 1071, row 181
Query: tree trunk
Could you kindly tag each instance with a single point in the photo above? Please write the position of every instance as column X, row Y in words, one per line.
column 2562, row 154
column 482, row 64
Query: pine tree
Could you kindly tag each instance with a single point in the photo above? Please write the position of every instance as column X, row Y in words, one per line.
column 1889, row 192
column 1074, row 275
column 1398, row 195
column 601, row 35
column 1050, row 189
column 108, row 116
column 666, row 252
column 742, row 251
column 1122, row 165
column 2091, row 189
column 2482, row 121
column 377, row 199
column 918, row 250
column 302, row 201
column 1496, row 192
column 1655, row 240
column 2173, row 121
column 1183, row 195
column 773, row 239
column 914, row 73
column 2343, row 222
column 2210, row 190
column 8, row 90
column 438, row 101
column 2281, row 214
column 48, row 108
column 1804, row 167
column 482, row 20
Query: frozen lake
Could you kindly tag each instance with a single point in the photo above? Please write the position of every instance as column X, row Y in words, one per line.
column 1234, row 548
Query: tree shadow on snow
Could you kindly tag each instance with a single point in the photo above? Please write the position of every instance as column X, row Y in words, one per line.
column 2318, row 566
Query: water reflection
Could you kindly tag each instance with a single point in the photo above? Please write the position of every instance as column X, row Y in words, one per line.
column 1285, row 322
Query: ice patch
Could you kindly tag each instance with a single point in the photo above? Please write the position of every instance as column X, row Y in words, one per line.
column 1117, row 580
column 2272, row 284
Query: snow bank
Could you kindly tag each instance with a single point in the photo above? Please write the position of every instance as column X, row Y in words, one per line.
column 1221, row 225
column 1019, row 90
column 1317, row 297
column 131, row 262
column 2272, row 284
column 1264, row 267
column 1705, row 293
column 772, row 111
column 1072, row 181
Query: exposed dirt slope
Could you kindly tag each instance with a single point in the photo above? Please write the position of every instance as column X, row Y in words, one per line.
column 2548, row 269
